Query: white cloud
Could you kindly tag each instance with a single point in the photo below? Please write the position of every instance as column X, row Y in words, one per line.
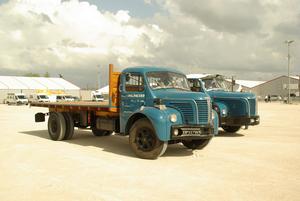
column 236, row 37
column 39, row 34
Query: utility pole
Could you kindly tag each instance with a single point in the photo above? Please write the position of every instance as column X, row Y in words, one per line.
column 232, row 82
column 98, row 84
column 288, row 42
column 299, row 85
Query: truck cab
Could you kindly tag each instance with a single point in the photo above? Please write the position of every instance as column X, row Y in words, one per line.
column 235, row 109
column 161, row 98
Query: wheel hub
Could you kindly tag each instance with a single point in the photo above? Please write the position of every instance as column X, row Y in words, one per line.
column 145, row 140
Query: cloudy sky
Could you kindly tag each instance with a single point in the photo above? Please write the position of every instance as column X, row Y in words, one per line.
column 78, row 38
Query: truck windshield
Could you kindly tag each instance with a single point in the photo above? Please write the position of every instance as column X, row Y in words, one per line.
column 21, row 97
column 217, row 83
column 167, row 80
column 98, row 96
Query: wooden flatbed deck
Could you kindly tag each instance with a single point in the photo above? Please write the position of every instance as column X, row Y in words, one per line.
column 101, row 108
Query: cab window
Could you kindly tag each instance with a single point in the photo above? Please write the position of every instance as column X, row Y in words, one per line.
column 134, row 82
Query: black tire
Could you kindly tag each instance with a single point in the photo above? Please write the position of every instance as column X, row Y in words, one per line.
column 144, row 142
column 231, row 129
column 56, row 126
column 100, row 133
column 69, row 126
column 196, row 144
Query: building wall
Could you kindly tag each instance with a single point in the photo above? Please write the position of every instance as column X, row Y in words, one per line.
column 275, row 87
column 85, row 95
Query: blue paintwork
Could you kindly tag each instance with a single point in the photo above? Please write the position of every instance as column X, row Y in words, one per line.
column 160, row 120
column 234, row 103
column 135, row 103
column 231, row 104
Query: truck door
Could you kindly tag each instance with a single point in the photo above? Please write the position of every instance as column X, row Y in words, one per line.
column 132, row 96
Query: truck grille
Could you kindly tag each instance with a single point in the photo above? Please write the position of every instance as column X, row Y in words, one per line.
column 185, row 109
column 203, row 111
column 252, row 103
column 189, row 116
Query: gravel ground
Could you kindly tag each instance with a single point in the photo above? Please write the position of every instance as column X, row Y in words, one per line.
column 261, row 163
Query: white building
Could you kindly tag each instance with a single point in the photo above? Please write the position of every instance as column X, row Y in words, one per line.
column 32, row 85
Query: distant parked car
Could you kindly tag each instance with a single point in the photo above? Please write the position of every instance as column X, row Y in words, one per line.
column 275, row 98
column 16, row 99
column 60, row 98
column 76, row 98
column 43, row 98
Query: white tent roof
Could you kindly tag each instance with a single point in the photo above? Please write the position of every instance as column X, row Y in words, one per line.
column 18, row 82
column 197, row 76
column 30, row 83
column 3, row 86
column 104, row 90
column 12, row 83
column 295, row 77
column 249, row 83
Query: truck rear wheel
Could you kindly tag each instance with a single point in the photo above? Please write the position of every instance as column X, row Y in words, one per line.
column 56, row 126
column 98, row 132
column 69, row 126
column 196, row 144
column 231, row 129
column 144, row 142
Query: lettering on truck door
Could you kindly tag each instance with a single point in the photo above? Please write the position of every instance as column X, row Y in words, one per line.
column 133, row 95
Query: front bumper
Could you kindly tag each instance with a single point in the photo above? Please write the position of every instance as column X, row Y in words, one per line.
column 240, row 121
column 191, row 132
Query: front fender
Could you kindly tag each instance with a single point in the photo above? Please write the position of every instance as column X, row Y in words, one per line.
column 222, row 107
column 160, row 120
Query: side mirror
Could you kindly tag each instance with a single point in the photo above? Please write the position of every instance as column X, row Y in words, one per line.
column 127, row 77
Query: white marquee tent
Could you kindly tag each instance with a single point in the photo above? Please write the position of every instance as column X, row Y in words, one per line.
column 31, row 85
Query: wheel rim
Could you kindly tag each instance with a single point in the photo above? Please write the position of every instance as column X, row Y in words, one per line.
column 145, row 139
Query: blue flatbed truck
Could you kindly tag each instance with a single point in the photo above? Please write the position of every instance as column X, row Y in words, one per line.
column 235, row 109
column 153, row 105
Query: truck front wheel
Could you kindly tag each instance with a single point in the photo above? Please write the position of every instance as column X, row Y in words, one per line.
column 231, row 129
column 196, row 144
column 56, row 126
column 144, row 142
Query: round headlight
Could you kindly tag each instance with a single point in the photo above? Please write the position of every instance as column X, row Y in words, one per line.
column 173, row 118
column 224, row 112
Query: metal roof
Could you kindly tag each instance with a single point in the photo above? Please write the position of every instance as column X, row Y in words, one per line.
column 18, row 82
column 249, row 83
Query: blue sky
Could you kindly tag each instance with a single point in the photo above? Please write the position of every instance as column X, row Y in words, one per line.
column 136, row 8
column 3, row 1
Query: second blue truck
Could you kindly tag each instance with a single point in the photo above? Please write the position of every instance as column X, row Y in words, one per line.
column 235, row 109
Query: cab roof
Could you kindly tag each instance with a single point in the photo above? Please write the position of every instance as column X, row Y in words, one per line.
column 146, row 69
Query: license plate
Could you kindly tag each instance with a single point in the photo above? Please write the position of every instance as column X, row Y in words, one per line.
column 191, row 131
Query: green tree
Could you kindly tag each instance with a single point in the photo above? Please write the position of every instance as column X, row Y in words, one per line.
column 47, row 74
column 32, row 74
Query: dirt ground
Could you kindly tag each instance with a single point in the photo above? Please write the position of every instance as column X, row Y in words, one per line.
column 261, row 163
